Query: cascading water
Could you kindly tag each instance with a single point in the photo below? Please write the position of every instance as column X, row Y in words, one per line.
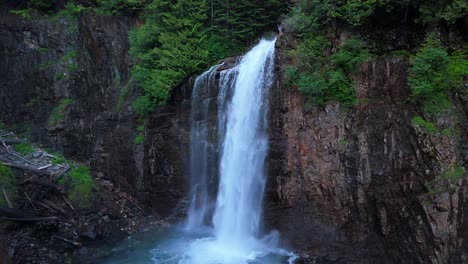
column 225, row 228
column 243, row 139
column 201, row 153
column 242, row 179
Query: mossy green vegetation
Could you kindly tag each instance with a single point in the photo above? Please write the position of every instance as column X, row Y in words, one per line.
column 8, row 183
column 58, row 159
column 79, row 186
column 323, row 76
column 58, row 113
column 455, row 174
column 433, row 76
column 140, row 137
column 26, row 13
column 119, row 7
column 40, row 8
column 24, row 148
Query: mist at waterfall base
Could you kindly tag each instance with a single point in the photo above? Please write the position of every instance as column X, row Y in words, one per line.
column 225, row 214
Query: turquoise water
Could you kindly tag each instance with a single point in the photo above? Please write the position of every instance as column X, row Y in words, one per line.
column 176, row 246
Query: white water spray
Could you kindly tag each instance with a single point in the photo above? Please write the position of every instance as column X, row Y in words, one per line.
column 242, row 134
column 242, row 178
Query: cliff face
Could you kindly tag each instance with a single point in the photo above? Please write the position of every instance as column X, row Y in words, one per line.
column 346, row 185
column 84, row 62
column 359, row 184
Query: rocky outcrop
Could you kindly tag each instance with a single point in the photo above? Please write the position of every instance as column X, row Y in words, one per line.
column 354, row 185
column 64, row 82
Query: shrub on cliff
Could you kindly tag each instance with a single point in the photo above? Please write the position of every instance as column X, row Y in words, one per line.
column 119, row 7
column 323, row 76
column 170, row 46
column 434, row 72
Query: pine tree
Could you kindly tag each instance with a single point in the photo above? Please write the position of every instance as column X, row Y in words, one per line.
column 170, row 46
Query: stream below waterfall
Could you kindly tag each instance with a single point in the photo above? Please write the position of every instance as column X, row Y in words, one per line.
column 227, row 174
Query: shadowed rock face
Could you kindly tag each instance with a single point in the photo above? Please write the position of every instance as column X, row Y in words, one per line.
column 350, row 185
column 86, row 60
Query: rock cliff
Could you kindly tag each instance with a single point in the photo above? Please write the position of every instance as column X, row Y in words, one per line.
column 345, row 185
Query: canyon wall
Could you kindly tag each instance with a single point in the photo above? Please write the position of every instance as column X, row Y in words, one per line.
column 345, row 185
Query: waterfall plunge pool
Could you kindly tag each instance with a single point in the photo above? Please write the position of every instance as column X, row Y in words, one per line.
column 176, row 245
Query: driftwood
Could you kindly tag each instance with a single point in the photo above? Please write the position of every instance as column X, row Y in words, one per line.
column 53, row 205
column 13, row 141
column 74, row 243
column 130, row 200
column 45, row 167
column 27, row 196
column 28, row 219
column 8, row 162
column 69, row 204
column 5, row 195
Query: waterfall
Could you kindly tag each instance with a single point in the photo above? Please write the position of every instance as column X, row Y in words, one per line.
column 242, row 141
column 201, row 154
column 229, row 144
column 242, row 180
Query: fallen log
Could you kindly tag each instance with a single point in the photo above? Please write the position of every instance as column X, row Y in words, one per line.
column 14, row 141
column 74, row 243
column 53, row 205
column 45, row 167
column 8, row 162
column 15, row 213
column 28, row 219
column 5, row 196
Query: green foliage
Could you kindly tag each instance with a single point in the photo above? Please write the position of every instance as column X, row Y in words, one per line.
column 427, row 126
column 24, row 13
column 169, row 46
column 455, row 174
column 24, row 148
column 80, row 186
column 140, row 137
column 447, row 10
column 58, row 159
column 71, row 11
column 434, row 72
column 2, row 125
column 181, row 38
column 314, row 14
column 234, row 24
column 119, row 7
column 43, row 5
column 457, row 70
column 8, row 183
column 323, row 77
column 58, row 113
column 429, row 66
column 43, row 50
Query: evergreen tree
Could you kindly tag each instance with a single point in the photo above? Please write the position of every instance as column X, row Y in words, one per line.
column 170, row 46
